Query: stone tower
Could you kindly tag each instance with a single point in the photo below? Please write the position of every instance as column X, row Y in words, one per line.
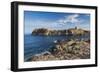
column 75, row 27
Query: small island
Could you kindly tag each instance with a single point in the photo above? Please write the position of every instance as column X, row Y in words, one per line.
column 71, row 31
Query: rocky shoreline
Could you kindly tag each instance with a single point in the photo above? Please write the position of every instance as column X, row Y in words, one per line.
column 65, row 50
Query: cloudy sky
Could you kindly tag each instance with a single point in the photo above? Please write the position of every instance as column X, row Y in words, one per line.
column 55, row 20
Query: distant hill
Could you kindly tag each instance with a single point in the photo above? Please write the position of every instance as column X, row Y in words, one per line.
column 71, row 31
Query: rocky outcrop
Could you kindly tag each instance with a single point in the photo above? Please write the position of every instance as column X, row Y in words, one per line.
column 40, row 32
column 47, row 32
column 66, row 50
column 43, row 31
column 77, row 31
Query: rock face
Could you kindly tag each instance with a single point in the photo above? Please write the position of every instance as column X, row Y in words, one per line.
column 66, row 50
column 72, row 31
column 40, row 32
column 77, row 31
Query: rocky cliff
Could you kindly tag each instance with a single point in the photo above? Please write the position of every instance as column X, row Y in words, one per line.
column 71, row 31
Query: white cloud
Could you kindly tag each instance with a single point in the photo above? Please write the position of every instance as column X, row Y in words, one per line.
column 70, row 19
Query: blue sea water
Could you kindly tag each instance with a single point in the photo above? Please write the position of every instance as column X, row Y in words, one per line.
column 37, row 44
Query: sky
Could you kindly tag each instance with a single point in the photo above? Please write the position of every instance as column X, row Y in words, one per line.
column 55, row 20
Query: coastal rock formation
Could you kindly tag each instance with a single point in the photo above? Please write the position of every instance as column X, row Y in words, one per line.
column 66, row 50
column 71, row 31
column 40, row 32
column 76, row 31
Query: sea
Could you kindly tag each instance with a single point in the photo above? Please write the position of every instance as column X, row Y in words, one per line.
column 34, row 44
